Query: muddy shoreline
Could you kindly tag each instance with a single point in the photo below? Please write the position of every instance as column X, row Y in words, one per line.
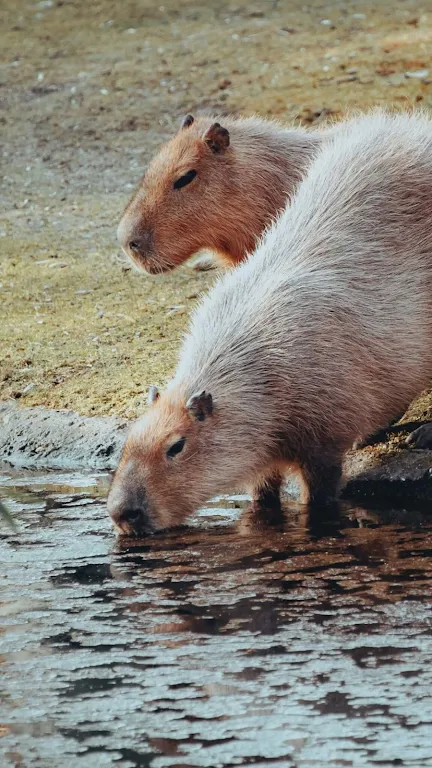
column 44, row 438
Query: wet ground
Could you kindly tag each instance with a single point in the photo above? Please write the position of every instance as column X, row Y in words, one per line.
column 231, row 643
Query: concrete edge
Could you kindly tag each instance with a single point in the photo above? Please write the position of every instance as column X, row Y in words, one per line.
column 41, row 438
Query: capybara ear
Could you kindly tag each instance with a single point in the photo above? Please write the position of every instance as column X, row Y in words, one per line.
column 217, row 138
column 200, row 405
column 153, row 395
column 187, row 121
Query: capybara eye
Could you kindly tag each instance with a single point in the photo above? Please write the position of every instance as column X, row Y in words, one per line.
column 176, row 448
column 186, row 179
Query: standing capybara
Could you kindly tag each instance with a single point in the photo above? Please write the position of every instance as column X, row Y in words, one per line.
column 322, row 335
column 214, row 187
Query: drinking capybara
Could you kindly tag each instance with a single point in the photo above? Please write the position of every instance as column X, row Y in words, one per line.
column 216, row 185
column 322, row 335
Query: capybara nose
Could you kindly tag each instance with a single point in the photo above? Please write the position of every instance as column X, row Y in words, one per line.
column 140, row 245
column 130, row 516
column 132, row 520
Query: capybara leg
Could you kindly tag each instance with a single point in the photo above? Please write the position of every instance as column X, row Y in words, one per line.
column 322, row 474
column 266, row 496
column 421, row 437
column 205, row 264
column 266, row 504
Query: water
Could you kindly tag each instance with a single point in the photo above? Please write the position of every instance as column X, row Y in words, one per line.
column 229, row 643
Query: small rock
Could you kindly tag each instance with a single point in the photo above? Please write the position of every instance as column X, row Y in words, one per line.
column 176, row 309
column 347, row 79
column 418, row 74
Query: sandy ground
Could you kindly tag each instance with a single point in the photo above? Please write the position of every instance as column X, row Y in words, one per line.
column 87, row 93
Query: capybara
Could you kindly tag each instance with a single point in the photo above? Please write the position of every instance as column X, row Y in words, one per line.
column 322, row 335
column 216, row 185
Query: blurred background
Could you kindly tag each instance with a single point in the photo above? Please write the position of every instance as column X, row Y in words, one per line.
column 88, row 91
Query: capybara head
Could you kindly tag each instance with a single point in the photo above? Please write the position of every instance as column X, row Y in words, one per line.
column 184, row 451
column 155, row 485
column 179, row 206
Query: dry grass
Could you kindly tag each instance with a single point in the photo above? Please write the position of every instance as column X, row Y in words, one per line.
column 85, row 101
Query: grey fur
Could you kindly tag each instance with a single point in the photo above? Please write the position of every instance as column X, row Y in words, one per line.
column 324, row 333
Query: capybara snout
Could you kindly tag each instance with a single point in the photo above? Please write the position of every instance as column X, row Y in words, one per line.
column 127, row 504
column 164, row 451
column 138, row 243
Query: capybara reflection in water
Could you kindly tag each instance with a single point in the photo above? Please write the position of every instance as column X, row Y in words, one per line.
column 323, row 335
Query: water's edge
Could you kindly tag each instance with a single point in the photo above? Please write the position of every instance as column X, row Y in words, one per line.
column 42, row 438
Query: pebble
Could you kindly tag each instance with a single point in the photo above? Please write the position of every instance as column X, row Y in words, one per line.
column 175, row 309
column 347, row 79
column 418, row 74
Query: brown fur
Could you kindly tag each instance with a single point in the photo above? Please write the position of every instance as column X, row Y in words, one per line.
column 246, row 169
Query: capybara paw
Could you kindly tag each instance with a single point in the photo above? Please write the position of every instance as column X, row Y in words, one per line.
column 421, row 437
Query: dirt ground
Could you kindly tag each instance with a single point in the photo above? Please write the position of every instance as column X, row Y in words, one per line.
column 87, row 93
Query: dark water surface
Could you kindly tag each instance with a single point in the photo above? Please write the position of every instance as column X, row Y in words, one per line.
column 231, row 643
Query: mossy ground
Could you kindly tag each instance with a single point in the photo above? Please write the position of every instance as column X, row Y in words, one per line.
column 87, row 93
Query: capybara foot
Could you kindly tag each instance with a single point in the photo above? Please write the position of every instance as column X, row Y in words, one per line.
column 322, row 475
column 266, row 501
